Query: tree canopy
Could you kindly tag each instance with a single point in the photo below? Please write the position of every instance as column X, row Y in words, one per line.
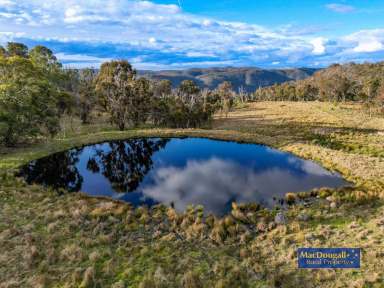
column 28, row 103
column 32, row 97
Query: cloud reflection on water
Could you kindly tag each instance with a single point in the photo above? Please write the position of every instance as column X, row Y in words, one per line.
column 181, row 172
column 215, row 183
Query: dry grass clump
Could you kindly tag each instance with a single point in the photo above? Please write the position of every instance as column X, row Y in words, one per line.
column 72, row 253
column 88, row 278
column 196, row 230
column 191, row 280
column 105, row 209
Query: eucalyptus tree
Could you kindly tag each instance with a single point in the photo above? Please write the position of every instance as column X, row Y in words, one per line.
column 87, row 93
column 141, row 102
column 162, row 88
column 242, row 94
column 17, row 49
column 162, row 92
column 28, row 101
column 116, row 83
column 43, row 58
column 226, row 94
column 3, row 52
column 188, row 105
column 63, row 80
column 188, row 91
column 380, row 98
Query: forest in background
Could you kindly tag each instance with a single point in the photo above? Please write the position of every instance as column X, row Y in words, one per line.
column 348, row 82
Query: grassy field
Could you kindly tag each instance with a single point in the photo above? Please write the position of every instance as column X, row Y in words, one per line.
column 76, row 241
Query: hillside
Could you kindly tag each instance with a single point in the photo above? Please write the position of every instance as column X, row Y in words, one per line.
column 249, row 78
column 351, row 82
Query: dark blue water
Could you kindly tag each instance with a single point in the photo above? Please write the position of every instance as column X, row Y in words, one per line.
column 180, row 172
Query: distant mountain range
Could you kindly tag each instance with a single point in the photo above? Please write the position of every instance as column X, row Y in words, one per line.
column 249, row 78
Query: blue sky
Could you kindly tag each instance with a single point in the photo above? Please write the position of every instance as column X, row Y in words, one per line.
column 167, row 34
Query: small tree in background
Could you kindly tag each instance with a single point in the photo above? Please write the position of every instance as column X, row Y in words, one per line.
column 87, row 94
column 162, row 88
column 162, row 92
column 115, row 83
column 141, row 102
column 380, row 98
column 226, row 94
column 242, row 94
column 3, row 52
column 188, row 91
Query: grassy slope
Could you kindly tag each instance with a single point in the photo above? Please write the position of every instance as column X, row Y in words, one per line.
column 71, row 241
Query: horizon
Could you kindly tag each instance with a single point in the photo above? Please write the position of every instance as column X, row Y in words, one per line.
column 230, row 67
column 184, row 34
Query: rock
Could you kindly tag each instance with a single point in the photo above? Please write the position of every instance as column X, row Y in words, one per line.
column 329, row 198
column 280, row 219
column 333, row 205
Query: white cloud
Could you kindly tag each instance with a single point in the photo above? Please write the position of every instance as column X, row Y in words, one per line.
column 215, row 182
column 340, row 8
column 152, row 40
column 9, row 36
column 6, row 3
column 167, row 36
column 318, row 45
column 80, row 60
column 372, row 45
column 199, row 54
column 367, row 41
column 78, row 57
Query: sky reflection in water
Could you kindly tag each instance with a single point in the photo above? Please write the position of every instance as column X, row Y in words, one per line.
column 181, row 172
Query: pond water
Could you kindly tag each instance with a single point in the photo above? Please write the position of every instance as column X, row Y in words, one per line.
column 180, row 172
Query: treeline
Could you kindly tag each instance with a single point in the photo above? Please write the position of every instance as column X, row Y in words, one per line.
column 36, row 92
column 132, row 101
column 337, row 83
